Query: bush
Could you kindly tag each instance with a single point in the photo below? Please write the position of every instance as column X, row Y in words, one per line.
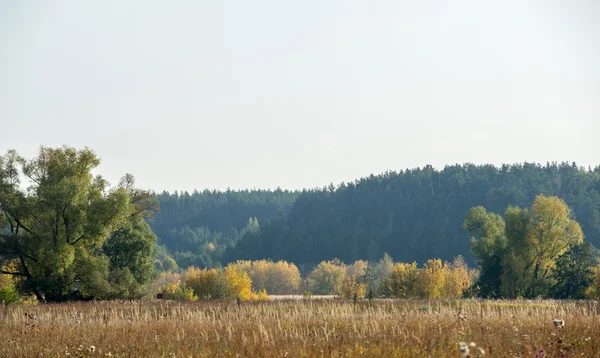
column 221, row 284
column 179, row 292
column 9, row 295
column 8, row 290
column 352, row 289
column 327, row 278
column 203, row 282
column 402, row 281
column 278, row 277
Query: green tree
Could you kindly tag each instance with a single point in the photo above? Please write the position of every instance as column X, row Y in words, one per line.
column 377, row 272
column 402, row 281
column 131, row 253
column 524, row 255
column 573, row 273
column 536, row 239
column 488, row 244
column 56, row 228
column 327, row 278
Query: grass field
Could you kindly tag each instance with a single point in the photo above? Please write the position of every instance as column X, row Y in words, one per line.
column 316, row 328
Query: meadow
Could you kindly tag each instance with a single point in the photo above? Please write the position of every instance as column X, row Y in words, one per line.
column 302, row 328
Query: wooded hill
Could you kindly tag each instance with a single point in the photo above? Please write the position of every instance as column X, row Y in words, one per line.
column 413, row 215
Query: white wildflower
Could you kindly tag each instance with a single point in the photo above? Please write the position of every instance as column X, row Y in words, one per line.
column 464, row 349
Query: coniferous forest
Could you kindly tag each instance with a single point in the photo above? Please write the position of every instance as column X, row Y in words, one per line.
column 412, row 215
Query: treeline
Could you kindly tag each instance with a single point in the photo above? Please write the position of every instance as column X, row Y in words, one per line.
column 255, row 280
column 197, row 228
column 414, row 215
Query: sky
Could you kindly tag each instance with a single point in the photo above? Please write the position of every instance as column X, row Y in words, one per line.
column 298, row 94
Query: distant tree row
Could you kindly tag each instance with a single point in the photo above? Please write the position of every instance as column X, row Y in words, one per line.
column 195, row 229
column 413, row 215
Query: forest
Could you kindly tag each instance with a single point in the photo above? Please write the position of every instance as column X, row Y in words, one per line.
column 522, row 230
column 413, row 215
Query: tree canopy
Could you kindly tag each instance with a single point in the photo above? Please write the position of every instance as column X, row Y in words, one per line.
column 417, row 214
column 70, row 235
column 518, row 256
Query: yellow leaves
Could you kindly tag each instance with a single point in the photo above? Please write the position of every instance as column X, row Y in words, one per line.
column 402, row 281
column 216, row 284
column 358, row 268
column 351, row 288
column 434, row 280
column 431, row 278
column 278, row 277
column 327, row 277
column 201, row 281
column 238, row 282
column 551, row 227
column 211, row 247
column 456, row 279
column 179, row 292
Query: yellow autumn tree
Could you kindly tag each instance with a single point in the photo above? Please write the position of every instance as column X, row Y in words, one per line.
column 357, row 269
column 351, row 288
column 402, row 281
column 327, row 278
column 282, row 278
column 430, row 280
column 456, row 278
column 178, row 292
column 536, row 239
column 279, row 277
column 202, row 281
column 216, row 284
column 238, row 283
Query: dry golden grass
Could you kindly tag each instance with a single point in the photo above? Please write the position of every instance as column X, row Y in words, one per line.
column 391, row 328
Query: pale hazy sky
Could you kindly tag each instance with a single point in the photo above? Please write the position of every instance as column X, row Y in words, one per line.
column 267, row 93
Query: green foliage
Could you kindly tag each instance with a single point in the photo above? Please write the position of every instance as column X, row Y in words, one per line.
column 327, row 278
column 402, row 281
column 376, row 274
column 131, row 249
column 573, row 272
column 416, row 214
column 179, row 292
column 517, row 256
column 57, row 228
column 197, row 228
column 8, row 290
column 9, row 295
column 488, row 245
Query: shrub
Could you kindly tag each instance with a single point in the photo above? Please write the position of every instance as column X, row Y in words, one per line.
column 179, row 292
column 402, row 281
column 221, row 284
column 203, row 282
column 278, row 277
column 351, row 288
column 8, row 290
column 327, row 278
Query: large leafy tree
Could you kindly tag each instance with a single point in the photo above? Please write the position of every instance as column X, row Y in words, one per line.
column 517, row 255
column 57, row 228
column 573, row 273
column 537, row 238
column 489, row 245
